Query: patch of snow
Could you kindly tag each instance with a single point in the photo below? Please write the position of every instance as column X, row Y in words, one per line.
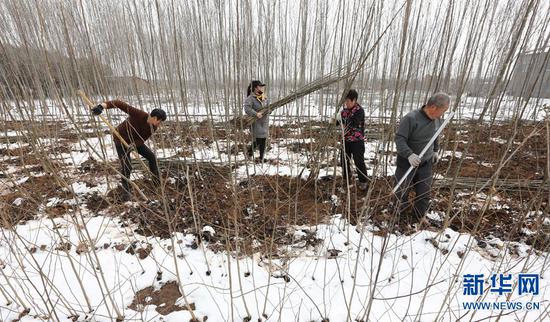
column 52, row 202
column 528, row 232
column 11, row 146
column 434, row 215
column 22, row 180
column 483, row 196
column 494, row 252
column 298, row 234
column 532, row 213
column 499, row 140
column 334, row 200
column 453, row 154
column 522, row 250
column 302, row 280
column 10, row 133
column 80, row 187
column 271, row 170
column 330, row 171
column 496, row 242
column 18, row 202
column 438, row 176
column 208, row 229
column 72, row 202
column 100, row 188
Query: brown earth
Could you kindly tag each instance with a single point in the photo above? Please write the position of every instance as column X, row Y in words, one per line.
column 165, row 299
column 260, row 210
column 528, row 163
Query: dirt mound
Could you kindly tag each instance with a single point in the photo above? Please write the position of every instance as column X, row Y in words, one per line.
column 256, row 212
column 481, row 148
column 165, row 299
column 23, row 203
column 15, row 208
column 96, row 203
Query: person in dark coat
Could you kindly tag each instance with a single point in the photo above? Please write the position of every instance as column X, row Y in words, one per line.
column 135, row 130
column 353, row 125
column 415, row 131
column 253, row 104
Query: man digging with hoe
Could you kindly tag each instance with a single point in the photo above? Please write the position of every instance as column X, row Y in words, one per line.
column 135, row 130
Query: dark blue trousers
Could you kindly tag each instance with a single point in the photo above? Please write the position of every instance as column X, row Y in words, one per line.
column 420, row 179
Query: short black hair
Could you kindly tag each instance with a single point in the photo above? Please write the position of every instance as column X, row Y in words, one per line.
column 352, row 95
column 159, row 114
column 252, row 86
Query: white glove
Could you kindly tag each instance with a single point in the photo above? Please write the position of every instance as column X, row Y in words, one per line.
column 339, row 118
column 414, row 160
column 435, row 158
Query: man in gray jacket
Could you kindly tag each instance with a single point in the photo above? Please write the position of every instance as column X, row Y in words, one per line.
column 253, row 104
column 414, row 133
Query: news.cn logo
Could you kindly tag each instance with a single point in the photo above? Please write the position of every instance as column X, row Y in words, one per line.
column 501, row 284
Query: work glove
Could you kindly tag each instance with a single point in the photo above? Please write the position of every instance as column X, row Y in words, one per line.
column 414, row 160
column 97, row 110
column 435, row 158
column 339, row 118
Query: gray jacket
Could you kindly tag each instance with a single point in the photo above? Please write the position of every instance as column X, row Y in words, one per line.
column 260, row 128
column 414, row 132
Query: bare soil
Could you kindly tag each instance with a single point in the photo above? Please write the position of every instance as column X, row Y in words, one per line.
column 256, row 214
column 165, row 299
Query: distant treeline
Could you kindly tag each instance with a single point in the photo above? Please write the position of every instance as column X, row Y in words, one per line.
column 30, row 72
column 33, row 73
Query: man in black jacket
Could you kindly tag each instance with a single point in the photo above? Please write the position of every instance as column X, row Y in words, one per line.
column 353, row 123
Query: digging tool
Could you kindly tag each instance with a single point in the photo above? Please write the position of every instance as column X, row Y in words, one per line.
column 432, row 140
column 115, row 132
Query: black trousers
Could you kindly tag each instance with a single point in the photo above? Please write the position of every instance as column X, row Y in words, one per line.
column 259, row 144
column 420, row 179
column 124, row 155
column 357, row 151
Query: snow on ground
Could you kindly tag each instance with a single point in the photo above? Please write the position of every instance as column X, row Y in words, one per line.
column 15, row 145
column 317, row 283
column 281, row 158
column 307, row 108
column 10, row 134
column 498, row 140
column 309, row 284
